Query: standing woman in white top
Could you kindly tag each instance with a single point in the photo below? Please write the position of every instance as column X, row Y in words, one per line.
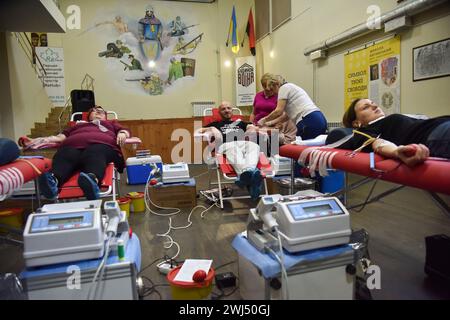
column 298, row 106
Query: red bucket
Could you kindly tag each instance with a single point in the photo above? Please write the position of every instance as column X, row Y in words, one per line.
column 190, row 290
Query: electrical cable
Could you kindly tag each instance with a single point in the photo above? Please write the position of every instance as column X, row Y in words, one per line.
column 171, row 241
column 153, row 262
column 283, row 271
column 169, row 244
column 148, row 199
column 363, row 205
column 201, row 174
column 283, row 267
column 150, row 290
column 225, row 264
column 99, row 268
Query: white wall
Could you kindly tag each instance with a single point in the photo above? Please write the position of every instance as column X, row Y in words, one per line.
column 312, row 22
column 81, row 56
column 213, row 81
column 317, row 20
column 6, row 127
column 28, row 102
column 228, row 74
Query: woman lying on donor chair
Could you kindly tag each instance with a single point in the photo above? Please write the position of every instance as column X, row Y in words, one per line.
column 396, row 136
column 89, row 147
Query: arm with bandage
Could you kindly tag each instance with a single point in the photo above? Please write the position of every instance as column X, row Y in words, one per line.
column 411, row 154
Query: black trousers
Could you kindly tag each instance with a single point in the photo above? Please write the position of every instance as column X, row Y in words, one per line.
column 439, row 141
column 93, row 159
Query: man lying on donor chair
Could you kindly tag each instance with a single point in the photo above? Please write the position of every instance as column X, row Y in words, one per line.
column 88, row 147
column 241, row 154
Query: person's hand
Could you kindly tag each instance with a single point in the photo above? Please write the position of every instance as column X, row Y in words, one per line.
column 121, row 137
column 262, row 122
column 413, row 154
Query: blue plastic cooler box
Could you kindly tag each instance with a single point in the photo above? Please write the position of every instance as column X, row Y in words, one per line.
column 335, row 181
column 138, row 169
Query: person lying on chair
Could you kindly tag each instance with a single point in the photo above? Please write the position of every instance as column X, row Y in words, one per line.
column 241, row 154
column 89, row 147
column 397, row 136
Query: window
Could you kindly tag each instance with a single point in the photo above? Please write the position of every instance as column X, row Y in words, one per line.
column 279, row 10
column 262, row 18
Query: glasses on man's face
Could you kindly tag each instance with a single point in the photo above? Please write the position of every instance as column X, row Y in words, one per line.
column 98, row 110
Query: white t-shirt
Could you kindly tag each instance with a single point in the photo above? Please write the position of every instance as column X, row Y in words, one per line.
column 298, row 103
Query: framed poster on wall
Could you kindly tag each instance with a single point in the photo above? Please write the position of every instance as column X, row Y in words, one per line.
column 245, row 81
column 432, row 60
column 374, row 72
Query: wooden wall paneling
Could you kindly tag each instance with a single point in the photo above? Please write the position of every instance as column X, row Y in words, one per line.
column 156, row 135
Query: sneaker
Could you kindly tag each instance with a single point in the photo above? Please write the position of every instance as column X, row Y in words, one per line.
column 244, row 179
column 48, row 185
column 89, row 186
column 255, row 185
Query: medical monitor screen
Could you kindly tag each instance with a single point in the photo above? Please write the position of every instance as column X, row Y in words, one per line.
column 316, row 209
column 62, row 221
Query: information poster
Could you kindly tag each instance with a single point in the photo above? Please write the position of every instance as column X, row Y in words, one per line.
column 245, row 81
column 374, row 73
column 52, row 60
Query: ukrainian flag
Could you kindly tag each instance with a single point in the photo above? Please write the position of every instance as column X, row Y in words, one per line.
column 233, row 31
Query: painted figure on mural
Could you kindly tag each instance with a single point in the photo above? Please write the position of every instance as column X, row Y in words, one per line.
column 177, row 27
column 120, row 26
column 175, row 70
column 124, row 49
column 153, row 84
column 112, row 51
column 150, row 27
column 184, row 48
column 135, row 64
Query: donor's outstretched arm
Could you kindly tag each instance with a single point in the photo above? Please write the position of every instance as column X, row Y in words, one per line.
column 411, row 154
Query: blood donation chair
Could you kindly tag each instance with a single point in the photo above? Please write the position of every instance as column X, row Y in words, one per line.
column 70, row 188
column 220, row 164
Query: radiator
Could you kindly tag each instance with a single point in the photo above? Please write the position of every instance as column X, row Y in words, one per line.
column 199, row 106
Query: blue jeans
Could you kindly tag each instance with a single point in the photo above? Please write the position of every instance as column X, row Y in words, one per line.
column 312, row 125
column 439, row 141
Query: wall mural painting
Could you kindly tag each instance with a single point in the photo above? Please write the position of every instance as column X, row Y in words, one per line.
column 155, row 53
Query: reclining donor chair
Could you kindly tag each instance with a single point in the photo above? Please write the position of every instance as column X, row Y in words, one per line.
column 223, row 168
column 70, row 188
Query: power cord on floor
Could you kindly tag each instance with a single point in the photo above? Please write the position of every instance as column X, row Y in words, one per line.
column 149, row 290
column 170, row 243
column 201, row 174
column 165, row 258
column 224, row 265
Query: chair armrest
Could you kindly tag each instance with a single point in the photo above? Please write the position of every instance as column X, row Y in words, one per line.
column 133, row 140
column 40, row 143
